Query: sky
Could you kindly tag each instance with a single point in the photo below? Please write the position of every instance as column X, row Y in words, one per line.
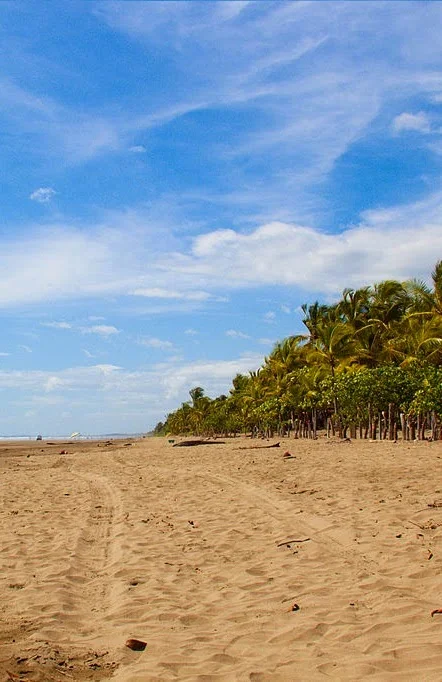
column 177, row 178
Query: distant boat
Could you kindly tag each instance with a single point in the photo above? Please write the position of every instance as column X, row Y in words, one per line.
column 75, row 434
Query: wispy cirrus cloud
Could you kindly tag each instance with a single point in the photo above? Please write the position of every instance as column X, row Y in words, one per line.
column 308, row 86
column 307, row 109
column 313, row 114
column 61, row 129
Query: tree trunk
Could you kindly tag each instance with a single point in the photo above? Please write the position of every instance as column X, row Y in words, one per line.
column 390, row 421
column 374, row 428
column 433, row 425
column 403, row 426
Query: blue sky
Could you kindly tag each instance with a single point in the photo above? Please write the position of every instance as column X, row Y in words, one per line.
column 178, row 177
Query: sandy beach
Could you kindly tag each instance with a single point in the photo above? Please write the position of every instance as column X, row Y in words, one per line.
column 230, row 561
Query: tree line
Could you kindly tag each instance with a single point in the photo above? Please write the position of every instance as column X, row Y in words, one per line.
column 368, row 366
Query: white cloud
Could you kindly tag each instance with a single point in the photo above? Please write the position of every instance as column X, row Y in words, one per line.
column 191, row 332
column 156, row 292
column 231, row 10
column 269, row 316
column 293, row 255
column 61, row 263
column 25, row 348
column 87, row 353
column 285, row 309
column 75, row 378
column 153, row 342
column 61, row 260
column 234, row 334
column 138, row 149
column 4, row 355
column 214, row 376
column 43, row 195
column 416, row 122
column 100, row 329
column 57, row 325
column 52, row 383
column 107, row 369
column 116, row 397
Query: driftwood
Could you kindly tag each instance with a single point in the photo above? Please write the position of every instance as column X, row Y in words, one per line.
column 258, row 447
column 433, row 505
column 432, row 526
column 291, row 542
column 186, row 443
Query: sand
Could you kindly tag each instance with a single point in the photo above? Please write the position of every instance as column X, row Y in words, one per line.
column 183, row 548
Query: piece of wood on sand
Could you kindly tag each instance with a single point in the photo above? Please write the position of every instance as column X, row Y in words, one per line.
column 291, row 542
column 188, row 443
column 258, row 447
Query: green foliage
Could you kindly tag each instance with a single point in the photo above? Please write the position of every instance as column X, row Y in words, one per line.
column 428, row 397
column 159, row 429
column 377, row 351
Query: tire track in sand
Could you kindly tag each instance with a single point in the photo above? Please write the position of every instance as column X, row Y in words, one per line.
column 85, row 581
column 61, row 546
column 319, row 528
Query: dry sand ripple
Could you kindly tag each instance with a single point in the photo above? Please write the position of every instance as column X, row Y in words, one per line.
column 203, row 552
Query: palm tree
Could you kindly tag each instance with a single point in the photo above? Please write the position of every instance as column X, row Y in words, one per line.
column 387, row 306
column 354, row 306
column 333, row 345
column 419, row 339
column 420, row 297
column 437, row 287
column 315, row 315
column 196, row 394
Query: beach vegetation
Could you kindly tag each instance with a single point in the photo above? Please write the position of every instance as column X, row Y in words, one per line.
column 367, row 366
